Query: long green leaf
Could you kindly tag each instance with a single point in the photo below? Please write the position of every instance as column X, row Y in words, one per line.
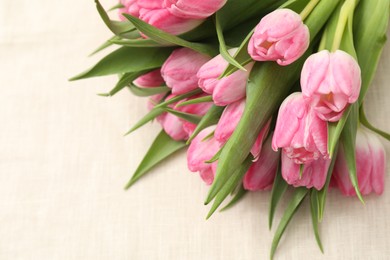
column 118, row 28
column 279, row 187
column 126, row 60
column 138, row 43
column 314, row 216
column 210, row 118
column 178, row 98
column 196, row 101
column 168, row 39
column 124, row 81
column 348, row 140
column 298, row 196
column 324, row 191
column 162, row 147
column 186, row 116
column 230, row 185
column 155, row 112
column 105, row 45
column 237, row 197
column 222, row 45
column 334, row 132
column 364, row 121
column 370, row 28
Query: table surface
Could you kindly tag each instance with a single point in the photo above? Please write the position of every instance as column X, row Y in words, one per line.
column 64, row 163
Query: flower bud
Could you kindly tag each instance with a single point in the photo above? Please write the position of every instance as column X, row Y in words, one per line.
column 200, row 151
column 280, row 36
column 370, row 165
column 313, row 175
column 261, row 174
column 179, row 70
column 192, row 8
column 150, row 80
column 227, row 89
column 330, row 81
column 301, row 134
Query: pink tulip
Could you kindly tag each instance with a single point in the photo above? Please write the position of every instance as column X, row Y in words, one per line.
column 313, row 175
column 301, row 134
column 227, row 89
column 229, row 121
column 261, row 174
column 129, row 7
column 280, row 36
column 370, row 164
column 200, row 151
column 179, row 70
column 150, row 80
column 192, row 8
column 165, row 21
column 330, row 81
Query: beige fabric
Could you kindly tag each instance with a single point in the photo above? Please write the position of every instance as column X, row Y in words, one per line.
column 64, row 162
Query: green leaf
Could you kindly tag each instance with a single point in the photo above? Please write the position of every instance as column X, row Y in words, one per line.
column 162, row 147
column 118, row 28
column 230, row 185
column 314, row 216
column 155, row 112
column 196, row 101
column 178, row 98
column 222, row 46
column 324, row 191
column 138, row 43
column 278, row 189
column 268, row 85
column 237, row 197
column 186, row 116
column 115, row 7
column 168, row 39
column 210, row 118
column 145, row 92
column 370, row 28
column 348, row 140
column 105, row 45
column 334, row 132
column 298, row 196
column 124, row 81
column 126, row 60
column 364, row 121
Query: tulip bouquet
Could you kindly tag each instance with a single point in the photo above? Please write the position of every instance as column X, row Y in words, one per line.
column 266, row 95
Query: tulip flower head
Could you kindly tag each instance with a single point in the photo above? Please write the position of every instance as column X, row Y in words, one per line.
column 150, row 80
column 129, row 7
column 180, row 69
column 330, row 81
column 261, row 174
column 302, row 135
column 280, row 36
column 227, row 89
column 200, row 151
column 313, row 175
column 370, row 165
column 193, row 9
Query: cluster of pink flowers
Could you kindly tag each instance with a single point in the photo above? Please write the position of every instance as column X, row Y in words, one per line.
column 330, row 82
column 172, row 16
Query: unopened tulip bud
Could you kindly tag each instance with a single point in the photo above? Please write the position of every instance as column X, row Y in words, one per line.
column 313, row 175
column 330, row 81
column 227, row 89
column 200, row 151
column 150, row 80
column 192, row 8
column 261, row 174
column 280, row 36
column 302, row 135
column 179, row 70
column 370, row 166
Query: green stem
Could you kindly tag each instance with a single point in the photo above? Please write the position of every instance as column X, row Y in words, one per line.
column 347, row 8
column 308, row 8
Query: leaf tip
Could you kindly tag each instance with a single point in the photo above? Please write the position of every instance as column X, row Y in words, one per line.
column 104, row 94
